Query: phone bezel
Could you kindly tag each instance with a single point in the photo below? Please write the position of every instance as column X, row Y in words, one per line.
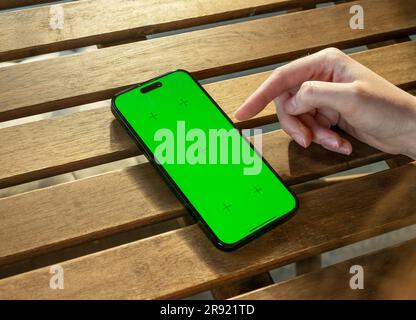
column 180, row 195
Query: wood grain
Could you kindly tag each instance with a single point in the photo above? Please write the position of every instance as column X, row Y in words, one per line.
column 159, row 267
column 109, row 21
column 388, row 274
column 91, row 76
column 71, row 213
column 229, row 290
column 308, row 265
column 93, row 137
column 63, row 215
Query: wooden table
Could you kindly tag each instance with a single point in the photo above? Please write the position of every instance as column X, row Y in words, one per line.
column 122, row 233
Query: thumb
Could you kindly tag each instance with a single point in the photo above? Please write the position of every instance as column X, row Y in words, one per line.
column 319, row 94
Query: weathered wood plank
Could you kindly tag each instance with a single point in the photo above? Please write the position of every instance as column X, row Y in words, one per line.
column 388, row 274
column 67, row 81
column 28, row 153
column 158, row 267
column 62, row 215
column 229, row 290
column 104, row 21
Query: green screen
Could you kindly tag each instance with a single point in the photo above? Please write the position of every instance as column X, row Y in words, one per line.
column 233, row 204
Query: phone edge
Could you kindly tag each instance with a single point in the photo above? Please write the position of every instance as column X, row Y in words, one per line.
column 176, row 190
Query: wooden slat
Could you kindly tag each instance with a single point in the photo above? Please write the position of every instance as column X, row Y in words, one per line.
column 388, row 274
column 71, row 213
column 48, row 219
column 324, row 182
column 308, row 265
column 64, row 147
column 91, row 76
column 398, row 161
column 104, row 21
column 27, row 151
column 229, row 290
column 159, row 267
column 9, row 4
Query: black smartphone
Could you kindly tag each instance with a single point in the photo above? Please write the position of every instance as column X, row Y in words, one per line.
column 215, row 171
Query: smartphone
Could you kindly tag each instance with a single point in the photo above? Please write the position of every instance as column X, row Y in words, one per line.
column 213, row 169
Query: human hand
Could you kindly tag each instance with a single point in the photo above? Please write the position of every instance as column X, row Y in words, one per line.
column 329, row 88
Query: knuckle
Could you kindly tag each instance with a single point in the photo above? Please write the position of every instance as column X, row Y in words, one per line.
column 333, row 54
column 276, row 74
column 306, row 90
column 358, row 92
column 358, row 89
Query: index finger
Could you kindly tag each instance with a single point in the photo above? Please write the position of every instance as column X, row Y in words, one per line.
column 281, row 80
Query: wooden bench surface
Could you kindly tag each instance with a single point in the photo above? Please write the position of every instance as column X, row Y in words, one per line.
column 388, row 275
column 98, row 75
column 137, row 187
column 159, row 267
column 70, row 132
column 43, row 222
column 111, row 21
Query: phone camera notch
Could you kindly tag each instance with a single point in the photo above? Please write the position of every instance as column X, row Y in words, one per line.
column 151, row 87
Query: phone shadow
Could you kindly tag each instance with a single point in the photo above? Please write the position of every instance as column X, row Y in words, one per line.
column 197, row 252
column 283, row 244
column 156, row 200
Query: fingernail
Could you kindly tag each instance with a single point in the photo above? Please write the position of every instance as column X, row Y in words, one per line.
column 345, row 150
column 300, row 140
column 332, row 144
